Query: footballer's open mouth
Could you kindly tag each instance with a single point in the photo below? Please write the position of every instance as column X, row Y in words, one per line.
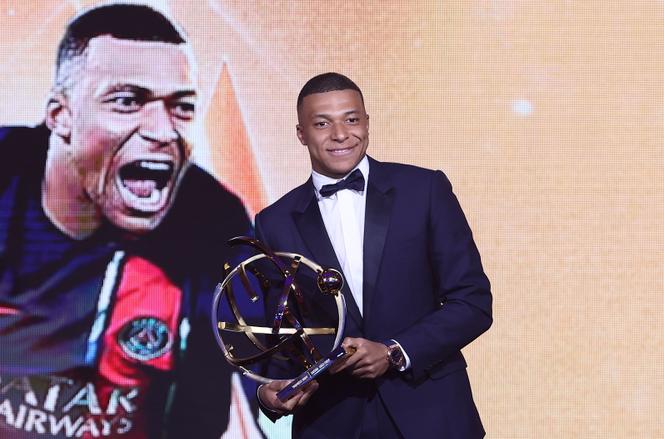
column 145, row 185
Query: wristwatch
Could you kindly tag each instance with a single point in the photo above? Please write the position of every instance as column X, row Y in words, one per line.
column 395, row 355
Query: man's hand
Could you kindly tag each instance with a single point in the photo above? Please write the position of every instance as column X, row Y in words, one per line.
column 267, row 393
column 368, row 360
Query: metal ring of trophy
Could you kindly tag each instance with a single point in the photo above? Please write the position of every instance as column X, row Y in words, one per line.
column 329, row 281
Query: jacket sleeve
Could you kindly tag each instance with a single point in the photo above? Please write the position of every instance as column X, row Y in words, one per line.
column 461, row 286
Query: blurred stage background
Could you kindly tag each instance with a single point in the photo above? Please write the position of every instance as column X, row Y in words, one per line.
column 548, row 118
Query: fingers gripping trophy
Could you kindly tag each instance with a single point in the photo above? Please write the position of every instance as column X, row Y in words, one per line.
column 278, row 275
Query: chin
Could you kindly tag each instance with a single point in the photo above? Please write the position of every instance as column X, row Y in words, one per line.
column 135, row 215
column 345, row 167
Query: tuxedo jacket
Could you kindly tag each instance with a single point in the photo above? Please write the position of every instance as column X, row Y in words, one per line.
column 423, row 286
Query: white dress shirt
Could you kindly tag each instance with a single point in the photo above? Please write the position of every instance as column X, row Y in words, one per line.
column 343, row 216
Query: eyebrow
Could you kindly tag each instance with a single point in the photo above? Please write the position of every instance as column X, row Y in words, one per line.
column 328, row 116
column 184, row 94
column 146, row 92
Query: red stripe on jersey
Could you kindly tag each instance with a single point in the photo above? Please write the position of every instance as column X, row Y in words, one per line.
column 8, row 311
column 146, row 309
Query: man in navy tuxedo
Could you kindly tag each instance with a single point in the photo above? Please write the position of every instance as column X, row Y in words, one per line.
column 415, row 287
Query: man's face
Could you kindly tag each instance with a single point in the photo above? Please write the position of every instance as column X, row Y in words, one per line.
column 132, row 112
column 335, row 128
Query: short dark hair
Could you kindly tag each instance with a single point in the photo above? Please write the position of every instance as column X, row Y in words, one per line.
column 125, row 21
column 325, row 82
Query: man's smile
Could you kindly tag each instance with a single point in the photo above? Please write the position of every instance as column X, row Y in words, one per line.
column 341, row 151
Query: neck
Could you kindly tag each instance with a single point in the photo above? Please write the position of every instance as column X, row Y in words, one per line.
column 63, row 197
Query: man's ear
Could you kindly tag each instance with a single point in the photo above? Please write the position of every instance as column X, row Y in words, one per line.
column 58, row 116
column 300, row 135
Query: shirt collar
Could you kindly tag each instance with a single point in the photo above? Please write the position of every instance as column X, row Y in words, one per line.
column 321, row 180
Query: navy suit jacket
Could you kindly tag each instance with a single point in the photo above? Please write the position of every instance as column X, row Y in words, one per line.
column 423, row 286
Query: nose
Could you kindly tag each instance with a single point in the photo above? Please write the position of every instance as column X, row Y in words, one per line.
column 157, row 124
column 339, row 133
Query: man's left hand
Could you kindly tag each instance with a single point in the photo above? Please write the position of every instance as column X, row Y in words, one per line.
column 368, row 360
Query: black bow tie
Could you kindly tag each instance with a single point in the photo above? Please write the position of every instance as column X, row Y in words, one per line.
column 354, row 181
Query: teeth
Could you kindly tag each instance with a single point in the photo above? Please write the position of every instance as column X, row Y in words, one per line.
column 155, row 166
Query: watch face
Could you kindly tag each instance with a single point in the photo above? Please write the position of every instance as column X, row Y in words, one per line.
column 395, row 355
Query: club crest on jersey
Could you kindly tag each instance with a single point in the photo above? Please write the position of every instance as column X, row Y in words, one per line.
column 145, row 338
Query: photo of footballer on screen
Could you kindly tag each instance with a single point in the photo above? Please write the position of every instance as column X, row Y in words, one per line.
column 111, row 243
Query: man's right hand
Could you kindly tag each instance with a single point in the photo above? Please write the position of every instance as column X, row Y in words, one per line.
column 267, row 394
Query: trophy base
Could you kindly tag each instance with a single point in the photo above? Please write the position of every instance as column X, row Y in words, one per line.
column 311, row 373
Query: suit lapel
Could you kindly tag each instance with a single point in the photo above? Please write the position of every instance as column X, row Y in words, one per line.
column 310, row 224
column 377, row 216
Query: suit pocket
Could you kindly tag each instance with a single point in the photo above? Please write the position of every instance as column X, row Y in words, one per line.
column 447, row 367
